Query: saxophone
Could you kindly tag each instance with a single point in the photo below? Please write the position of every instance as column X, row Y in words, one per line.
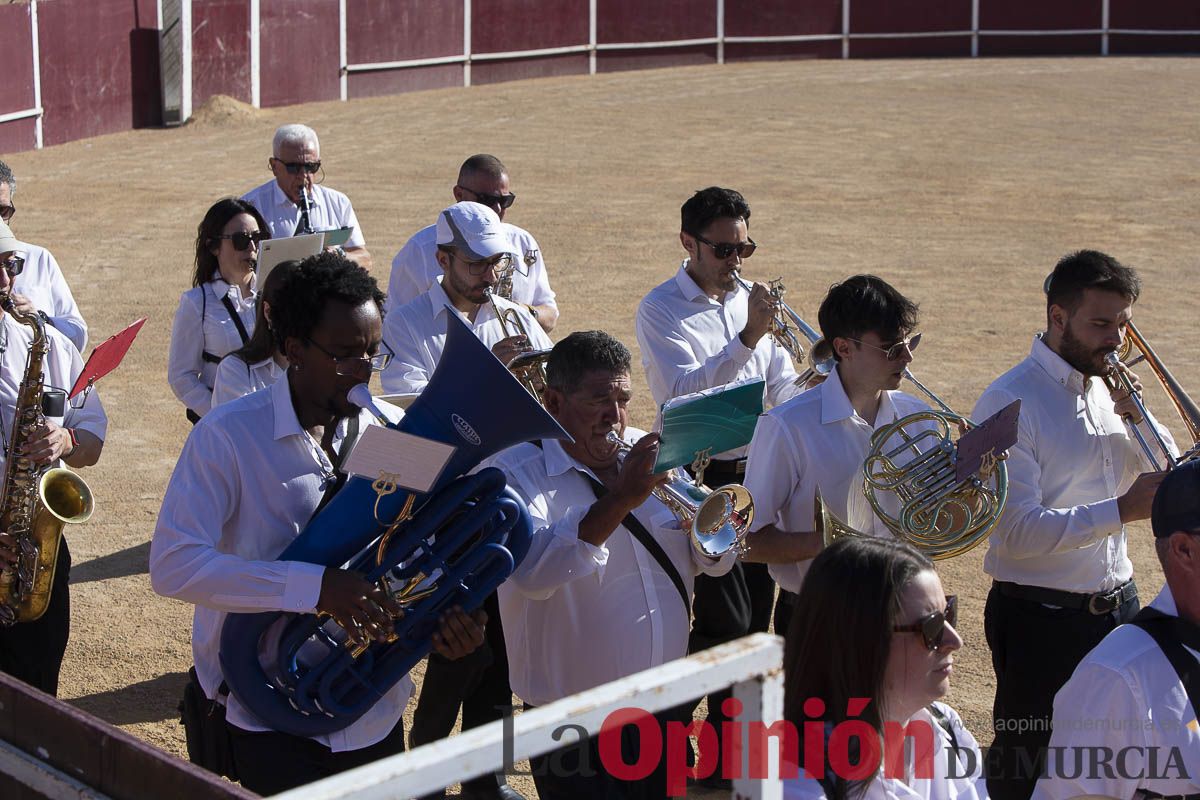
column 36, row 501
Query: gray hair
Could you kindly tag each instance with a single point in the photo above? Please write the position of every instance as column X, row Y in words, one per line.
column 6, row 176
column 293, row 134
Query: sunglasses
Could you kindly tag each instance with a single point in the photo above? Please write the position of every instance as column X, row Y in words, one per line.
column 7, row 212
column 502, row 200
column 296, row 167
column 14, row 265
column 933, row 627
column 355, row 367
column 501, row 264
column 242, row 239
column 725, row 249
column 894, row 351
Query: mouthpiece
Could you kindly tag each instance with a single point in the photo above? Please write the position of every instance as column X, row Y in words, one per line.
column 360, row 396
column 1112, row 359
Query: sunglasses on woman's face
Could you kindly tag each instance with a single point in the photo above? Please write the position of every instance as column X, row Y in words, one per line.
column 933, row 627
column 242, row 239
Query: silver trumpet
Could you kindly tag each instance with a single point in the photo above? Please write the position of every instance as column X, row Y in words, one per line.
column 716, row 520
column 783, row 331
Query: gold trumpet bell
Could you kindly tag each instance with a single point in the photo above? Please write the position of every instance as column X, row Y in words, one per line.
column 829, row 526
column 66, row 495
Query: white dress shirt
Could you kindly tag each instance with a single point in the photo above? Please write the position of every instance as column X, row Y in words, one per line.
column 43, row 283
column 691, row 342
column 246, row 484
column 415, row 268
column 957, row 774
column 328, row 209
column 236, row 378
column 576, row 615
column 417, row 335
column 60, row 369
column 1125, row 695
column 203, row 325
column 816, row 442
column 1074, row 455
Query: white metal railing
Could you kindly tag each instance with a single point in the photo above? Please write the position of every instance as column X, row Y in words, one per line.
column 752, row 666
column 592, row 47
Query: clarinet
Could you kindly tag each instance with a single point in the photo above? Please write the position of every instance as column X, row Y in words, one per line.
column 305, row 225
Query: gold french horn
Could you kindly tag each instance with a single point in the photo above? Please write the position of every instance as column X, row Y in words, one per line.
column 913, row 461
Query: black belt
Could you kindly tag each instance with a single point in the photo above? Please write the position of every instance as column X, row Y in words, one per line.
column 1098, row 603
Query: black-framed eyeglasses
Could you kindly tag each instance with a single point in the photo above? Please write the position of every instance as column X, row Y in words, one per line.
column 13, row 265
column 353, row 365
column 896, row 350
column 296, row 167
column 725, row 249
column 242, row 239
column 501, row 263
column 502, row 200
column 8, row 212
column 933, row 626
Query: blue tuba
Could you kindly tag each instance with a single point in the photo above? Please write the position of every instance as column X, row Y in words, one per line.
column 451, row 546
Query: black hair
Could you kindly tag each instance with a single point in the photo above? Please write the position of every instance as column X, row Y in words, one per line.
column 262, row 344
column 865, row 303
column 210, row 228
column 583, row 352
column 308, row 288
column 1089, row 269
column 837, row 646
column 709, row 205
column 483, row 164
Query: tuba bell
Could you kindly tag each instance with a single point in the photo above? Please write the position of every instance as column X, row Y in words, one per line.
column 716, row 520
column 451, row 546
column 912, row 462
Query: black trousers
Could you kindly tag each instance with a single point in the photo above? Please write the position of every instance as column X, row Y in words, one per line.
column 576, row 772
column 33, row 651
column 269, row 763
column 478, row 683
column 1034, row 651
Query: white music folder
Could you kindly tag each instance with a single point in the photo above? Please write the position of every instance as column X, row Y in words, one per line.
column 273, row 252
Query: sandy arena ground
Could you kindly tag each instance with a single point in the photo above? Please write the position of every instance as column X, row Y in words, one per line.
column 959, row 181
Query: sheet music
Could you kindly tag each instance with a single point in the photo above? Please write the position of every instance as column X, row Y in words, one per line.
column 410, row 461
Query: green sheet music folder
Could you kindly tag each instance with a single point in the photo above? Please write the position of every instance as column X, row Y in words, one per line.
column 715, row 420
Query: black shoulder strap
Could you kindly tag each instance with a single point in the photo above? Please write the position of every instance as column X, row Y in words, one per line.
column 340, row 480
column 1170, row 634
column 237, row 321
column 945, row 724
column 650, row 543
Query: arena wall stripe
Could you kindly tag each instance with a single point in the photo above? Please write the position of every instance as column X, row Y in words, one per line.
column 99, row 59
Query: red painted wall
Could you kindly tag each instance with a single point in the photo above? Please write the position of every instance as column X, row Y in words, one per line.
column 100, row 57
column 299, row 51
column 220, row 49
column 16, row 89
column 99, row 67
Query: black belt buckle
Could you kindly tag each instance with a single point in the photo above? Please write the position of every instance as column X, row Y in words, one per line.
column 1110, row 601
column 1099, row 604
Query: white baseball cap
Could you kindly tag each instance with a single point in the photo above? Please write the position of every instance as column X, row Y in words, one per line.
column 9, row 242
column 474, row 230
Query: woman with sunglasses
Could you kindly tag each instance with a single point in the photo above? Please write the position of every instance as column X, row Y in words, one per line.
column 890, row 642
column 259, row 362
column 216, row 315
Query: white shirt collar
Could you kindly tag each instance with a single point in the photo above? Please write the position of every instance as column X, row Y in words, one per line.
column 286, row 421
column 283, row 201
column 836, row 405
column 692, row 291
column 1063, row 373
column 222, row 288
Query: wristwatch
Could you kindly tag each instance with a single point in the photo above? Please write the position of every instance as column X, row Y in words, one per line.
column 74, row 442
column 532, row 310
